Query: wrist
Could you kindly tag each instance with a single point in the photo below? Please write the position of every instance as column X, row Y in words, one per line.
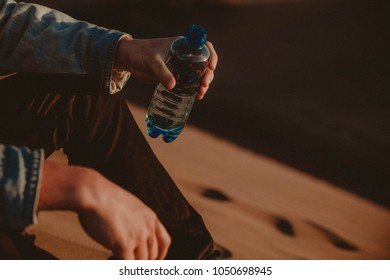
column 66, row 187
column 120, row 57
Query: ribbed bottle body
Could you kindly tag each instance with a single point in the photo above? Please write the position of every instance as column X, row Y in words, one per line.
column 169, row 110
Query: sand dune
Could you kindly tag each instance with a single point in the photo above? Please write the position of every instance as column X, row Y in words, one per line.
column 255, row 207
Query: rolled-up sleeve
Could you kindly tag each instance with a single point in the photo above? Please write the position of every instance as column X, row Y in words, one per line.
column 37, row 39
column 20, row 177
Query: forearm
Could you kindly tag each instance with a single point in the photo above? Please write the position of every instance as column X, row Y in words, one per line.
column 35, row 39
column 73, row 188
column 63, row 187
column 29, row 184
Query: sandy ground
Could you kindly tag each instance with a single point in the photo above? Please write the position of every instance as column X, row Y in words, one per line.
column 255, row 207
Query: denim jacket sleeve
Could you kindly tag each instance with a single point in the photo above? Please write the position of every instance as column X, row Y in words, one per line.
column 37, row 39
column 20, row 173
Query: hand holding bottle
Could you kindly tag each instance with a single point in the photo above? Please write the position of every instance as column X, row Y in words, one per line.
column 188, row 61
column 145, row 60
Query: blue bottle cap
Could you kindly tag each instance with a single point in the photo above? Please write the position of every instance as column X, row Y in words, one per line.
column 196, row 36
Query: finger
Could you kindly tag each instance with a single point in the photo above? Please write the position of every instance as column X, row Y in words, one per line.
column 202, row 92
column 123, row 253
column 207, row 78
column 164, row 241
column 153, row 247
column 213, row 56
column 163, row 75
column 141, row 252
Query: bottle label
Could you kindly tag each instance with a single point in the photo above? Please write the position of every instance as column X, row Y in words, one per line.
column 188, row 74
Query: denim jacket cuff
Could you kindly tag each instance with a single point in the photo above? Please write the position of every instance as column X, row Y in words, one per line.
column 103, row 47
column 118, row 80
column 20, row 176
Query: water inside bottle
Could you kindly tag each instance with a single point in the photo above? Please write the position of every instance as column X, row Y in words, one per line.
column 169, row 110
column 168, row 113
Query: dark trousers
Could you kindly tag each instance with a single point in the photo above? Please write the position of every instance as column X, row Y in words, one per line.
column 97, row 131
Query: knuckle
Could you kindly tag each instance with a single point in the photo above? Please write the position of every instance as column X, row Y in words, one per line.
column 168, row 240
column 156, row 58
column 123, row 252
column 144, row 235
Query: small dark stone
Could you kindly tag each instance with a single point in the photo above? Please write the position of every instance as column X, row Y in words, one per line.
column 342, row 244
column 215, row 194
column 334, row 238
column 285, row 226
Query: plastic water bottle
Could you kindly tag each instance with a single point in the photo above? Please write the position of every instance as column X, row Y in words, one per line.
column 169, row 109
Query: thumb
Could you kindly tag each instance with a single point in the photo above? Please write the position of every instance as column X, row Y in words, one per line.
column 164, row 76
column 169, row 82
